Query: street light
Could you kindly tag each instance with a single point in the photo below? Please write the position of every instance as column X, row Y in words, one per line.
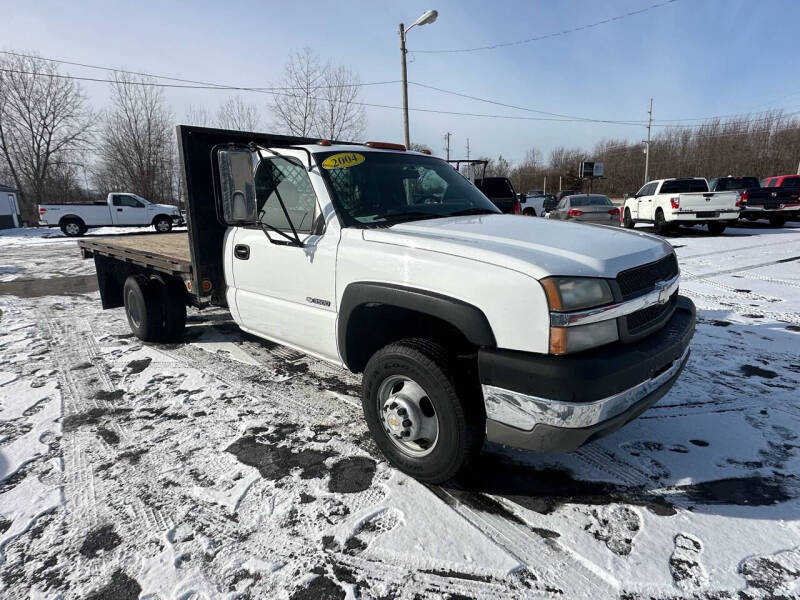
column 429, row 16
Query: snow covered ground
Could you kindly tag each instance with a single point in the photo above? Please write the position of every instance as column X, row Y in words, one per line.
column 226, row 467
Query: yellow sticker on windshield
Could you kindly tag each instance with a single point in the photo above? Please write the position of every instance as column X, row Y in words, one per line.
column 343, row 160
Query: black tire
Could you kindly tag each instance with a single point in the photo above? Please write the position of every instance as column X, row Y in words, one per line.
column 716, row 228
column 777, row 222
column 162, row 224
column 143, row 307
column 73, row 227
column 627, row 221
column 172, row 296
column 751, row 217
column 529, row 212
column 660, row 226
column 458, row 408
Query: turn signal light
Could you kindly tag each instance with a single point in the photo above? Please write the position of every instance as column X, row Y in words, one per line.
column 675, row 202
column 324, row 143
column 385, row 146
column 573, row 212
column 558, row 340
column 614, row 211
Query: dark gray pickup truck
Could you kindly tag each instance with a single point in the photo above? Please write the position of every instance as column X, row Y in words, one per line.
column 777, row 204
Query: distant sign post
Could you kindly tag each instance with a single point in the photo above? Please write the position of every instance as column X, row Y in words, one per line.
column 591, row 170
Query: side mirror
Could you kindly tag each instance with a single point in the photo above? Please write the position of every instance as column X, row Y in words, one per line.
column 237, row 185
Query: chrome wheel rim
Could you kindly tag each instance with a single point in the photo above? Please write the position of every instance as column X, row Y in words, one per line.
column 408, row 416
column 162, row 225
column 133, row 307
column 72, row 228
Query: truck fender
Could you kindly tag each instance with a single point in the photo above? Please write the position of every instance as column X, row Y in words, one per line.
column 466, row 318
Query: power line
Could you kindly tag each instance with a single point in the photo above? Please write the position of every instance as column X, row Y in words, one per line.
column 281, row 92
column 548, row 35
column 541, row 112
column 199, row 84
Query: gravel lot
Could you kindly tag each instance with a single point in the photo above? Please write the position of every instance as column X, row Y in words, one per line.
column 228, row 467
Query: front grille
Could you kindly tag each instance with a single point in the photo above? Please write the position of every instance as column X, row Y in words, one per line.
column 640, row 280
column 644, row 318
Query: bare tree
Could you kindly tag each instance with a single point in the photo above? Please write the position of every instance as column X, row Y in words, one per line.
column 295, row 108
column 235, row 113
column 198, row 116
column 318, row 99
column 44, row 120
column 339, row 116
column 137, row 147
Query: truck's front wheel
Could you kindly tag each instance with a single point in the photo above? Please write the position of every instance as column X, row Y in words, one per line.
column 143, row 307
column 163, row 224
column 627, row 221
column 777, row 221
column 425, row 425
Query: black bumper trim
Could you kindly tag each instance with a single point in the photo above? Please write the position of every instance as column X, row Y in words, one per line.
column 595, row 374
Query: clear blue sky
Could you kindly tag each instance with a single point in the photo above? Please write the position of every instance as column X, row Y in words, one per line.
column 694, row 57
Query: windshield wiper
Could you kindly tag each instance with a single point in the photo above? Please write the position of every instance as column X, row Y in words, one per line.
column 473, row 211
column 417, row 214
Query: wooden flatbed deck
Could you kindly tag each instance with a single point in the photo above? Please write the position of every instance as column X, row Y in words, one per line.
column 167, row 252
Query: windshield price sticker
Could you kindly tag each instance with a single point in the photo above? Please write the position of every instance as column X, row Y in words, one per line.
column 343, row 160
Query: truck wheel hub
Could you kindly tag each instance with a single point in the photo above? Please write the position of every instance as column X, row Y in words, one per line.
column 408, row 415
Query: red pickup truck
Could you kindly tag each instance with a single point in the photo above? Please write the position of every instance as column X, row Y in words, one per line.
column 791, row 182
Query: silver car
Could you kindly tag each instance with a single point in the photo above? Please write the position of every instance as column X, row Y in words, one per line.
column 587, row 208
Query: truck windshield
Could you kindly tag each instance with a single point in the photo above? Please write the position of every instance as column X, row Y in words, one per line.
column 684, row 186
column 736, row 183
column 387, row 187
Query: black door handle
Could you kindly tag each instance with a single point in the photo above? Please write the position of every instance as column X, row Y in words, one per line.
column 119, row 210
column 241, row 251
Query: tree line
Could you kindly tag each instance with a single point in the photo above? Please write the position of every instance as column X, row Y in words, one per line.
column 55, row 147
column 768, row 144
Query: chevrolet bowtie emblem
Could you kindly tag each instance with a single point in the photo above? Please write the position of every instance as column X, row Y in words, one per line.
column 663, row 292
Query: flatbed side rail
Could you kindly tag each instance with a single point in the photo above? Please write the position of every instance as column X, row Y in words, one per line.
column 141, row 258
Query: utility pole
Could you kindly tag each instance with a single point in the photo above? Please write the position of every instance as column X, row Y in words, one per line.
column 545, row 184
column 402, row 31
column 647, row 147
column 447, row 142
column 469, row 165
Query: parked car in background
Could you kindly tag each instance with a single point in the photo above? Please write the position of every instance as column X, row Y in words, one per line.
column 777, row 204
column 668, row 203
column 532, row 206
column 587, row 208
column 550, row 202
column 119, row 210
column 563, row 193
column 535, row 192
column 501, row 192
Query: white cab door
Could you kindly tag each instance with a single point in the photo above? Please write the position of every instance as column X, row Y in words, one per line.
column 286, row 292
column 128, row 210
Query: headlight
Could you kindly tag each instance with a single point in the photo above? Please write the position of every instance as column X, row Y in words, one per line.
column 566, row 340
column 575, row 293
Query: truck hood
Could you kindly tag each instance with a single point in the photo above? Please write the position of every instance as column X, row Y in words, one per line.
column 534, row 246
column 168, row 208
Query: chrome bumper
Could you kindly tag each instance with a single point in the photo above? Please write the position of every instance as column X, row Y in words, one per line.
column 524, row 412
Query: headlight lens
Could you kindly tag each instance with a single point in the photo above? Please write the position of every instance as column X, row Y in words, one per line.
column 566, row 340
column 575, row 293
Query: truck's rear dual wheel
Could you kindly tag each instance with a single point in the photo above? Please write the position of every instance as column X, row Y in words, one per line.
column 424, row 423
column 155, row 308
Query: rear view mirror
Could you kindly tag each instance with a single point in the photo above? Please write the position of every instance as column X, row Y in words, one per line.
column 237, row 186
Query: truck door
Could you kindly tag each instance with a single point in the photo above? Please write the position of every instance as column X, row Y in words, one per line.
column 645, row 208
column 128, row 210
column 283, row 291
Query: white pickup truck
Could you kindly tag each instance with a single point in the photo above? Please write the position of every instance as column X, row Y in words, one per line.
column 466, row 323
column 668, row 203
column 119, row 209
